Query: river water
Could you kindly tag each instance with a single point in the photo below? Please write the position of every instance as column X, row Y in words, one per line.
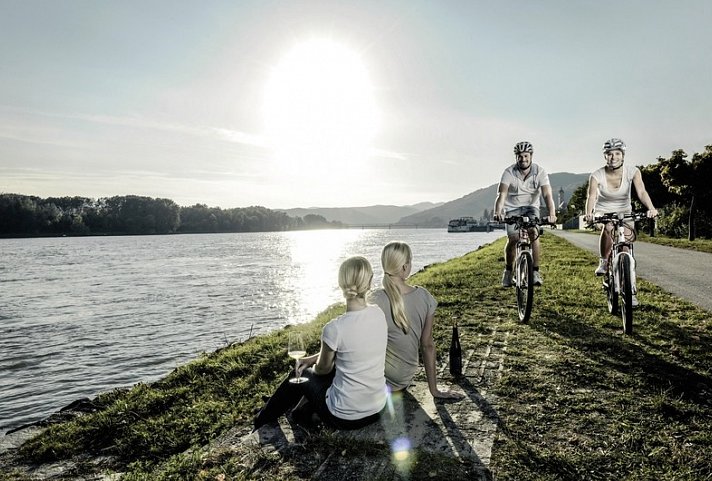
column 82, row 315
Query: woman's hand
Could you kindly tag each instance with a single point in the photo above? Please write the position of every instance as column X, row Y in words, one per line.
column 448, row 395
column 305, row 362
column 653, row 212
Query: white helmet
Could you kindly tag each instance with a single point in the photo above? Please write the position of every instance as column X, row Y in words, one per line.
column 613, row 144
column 522, row 147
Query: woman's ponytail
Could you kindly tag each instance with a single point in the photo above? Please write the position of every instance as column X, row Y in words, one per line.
column 393, row 257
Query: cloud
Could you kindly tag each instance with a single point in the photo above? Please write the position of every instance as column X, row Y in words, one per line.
column 19, row 128
column 388, row 154
column 241, row 137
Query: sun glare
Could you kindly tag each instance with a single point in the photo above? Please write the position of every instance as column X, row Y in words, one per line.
column 319, row 108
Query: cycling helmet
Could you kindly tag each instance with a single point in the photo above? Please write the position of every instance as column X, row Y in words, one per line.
column 522, row 147
column 613, row 144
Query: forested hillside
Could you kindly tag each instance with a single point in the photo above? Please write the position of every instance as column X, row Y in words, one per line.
column 26, row 216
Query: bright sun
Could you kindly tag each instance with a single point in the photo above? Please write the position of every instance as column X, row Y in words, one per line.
column 319, row 108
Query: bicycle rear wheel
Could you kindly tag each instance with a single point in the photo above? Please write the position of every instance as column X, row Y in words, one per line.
column 525, row 285
column 626, row 293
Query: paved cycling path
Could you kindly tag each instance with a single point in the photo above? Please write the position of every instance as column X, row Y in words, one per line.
column 683, row 272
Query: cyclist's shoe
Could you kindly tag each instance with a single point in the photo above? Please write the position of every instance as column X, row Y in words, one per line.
column 635, row 301
column 602, row 267
column 507, row 278
column 538, row 279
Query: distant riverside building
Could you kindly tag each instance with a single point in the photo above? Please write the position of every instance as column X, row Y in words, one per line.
column 562, row 204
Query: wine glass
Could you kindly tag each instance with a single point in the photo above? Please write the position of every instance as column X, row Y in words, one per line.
column 296, row 350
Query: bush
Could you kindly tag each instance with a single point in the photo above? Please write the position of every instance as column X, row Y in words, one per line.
column 672, row 221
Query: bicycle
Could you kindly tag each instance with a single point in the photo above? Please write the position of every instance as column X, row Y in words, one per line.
column 523, row 269
column 619, row 278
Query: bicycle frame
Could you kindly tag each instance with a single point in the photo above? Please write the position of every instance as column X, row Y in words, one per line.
column 619, row 280
column 523, row 275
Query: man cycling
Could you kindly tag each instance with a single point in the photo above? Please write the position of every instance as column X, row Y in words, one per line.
column 519, row 193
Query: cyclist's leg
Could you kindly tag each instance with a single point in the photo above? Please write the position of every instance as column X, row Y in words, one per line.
column 536, row 248
column 605, row 241
column 533, row 212
column 510, row 249
column 605, row 245
column 509, row 253
column 630, row 235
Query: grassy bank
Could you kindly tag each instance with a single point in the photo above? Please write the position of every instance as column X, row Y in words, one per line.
column 699, row 244
column 577, row 399
column 702, row 245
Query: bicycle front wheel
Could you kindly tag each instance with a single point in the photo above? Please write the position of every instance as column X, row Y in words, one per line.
column 611, row 291
column 626, row 293
column 525, row 285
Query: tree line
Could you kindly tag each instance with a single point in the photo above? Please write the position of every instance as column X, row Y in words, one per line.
column 680, row 189
column 28, row 216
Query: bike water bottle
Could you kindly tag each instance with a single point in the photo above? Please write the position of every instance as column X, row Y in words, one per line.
column 455, row 352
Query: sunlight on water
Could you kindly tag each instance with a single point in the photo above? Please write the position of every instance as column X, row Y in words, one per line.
column 81, row 315
column 315, row 257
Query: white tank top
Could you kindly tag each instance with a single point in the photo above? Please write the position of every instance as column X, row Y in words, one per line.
column 610, row 200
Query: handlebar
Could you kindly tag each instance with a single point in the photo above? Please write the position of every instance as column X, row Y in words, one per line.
column 618, row 217
column 524, row 222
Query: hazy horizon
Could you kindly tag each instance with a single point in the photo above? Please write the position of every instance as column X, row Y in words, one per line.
column 278, row 208
column 337, row 103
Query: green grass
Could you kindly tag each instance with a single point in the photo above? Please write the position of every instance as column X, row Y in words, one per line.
column 577, row 399
column 699, row 244
column 151, row 423
column 582, row 401
column 702, row 245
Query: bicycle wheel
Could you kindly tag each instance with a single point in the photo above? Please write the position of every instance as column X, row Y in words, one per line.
column 609, row 284
column 525, row 285
column 626, row 293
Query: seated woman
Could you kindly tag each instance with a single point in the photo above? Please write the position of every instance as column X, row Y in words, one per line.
column 410, row 311
column 346, row 386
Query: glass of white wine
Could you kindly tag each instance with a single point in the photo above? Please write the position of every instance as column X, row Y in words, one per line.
column 296, row 350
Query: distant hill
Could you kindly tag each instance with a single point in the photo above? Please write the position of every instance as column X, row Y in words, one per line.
column 475, row 203
column 375, row 214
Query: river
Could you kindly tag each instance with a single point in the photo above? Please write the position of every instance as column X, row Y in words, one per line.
column 82, row 315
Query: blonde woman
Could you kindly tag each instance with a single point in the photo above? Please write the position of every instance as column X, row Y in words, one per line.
column 346, row 386
column 609, row 191
column 410, row 312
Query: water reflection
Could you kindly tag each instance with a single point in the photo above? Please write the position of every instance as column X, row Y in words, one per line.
column 313, row 266
column 82, row 315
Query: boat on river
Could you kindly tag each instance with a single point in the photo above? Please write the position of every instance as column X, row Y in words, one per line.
column 470, row 224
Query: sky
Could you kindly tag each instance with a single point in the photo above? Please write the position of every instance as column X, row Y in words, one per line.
column 339, row 103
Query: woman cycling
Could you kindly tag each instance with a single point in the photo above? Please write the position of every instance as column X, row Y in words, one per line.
column 609, row 191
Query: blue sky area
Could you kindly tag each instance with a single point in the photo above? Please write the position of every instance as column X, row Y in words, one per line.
column 371, row 102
